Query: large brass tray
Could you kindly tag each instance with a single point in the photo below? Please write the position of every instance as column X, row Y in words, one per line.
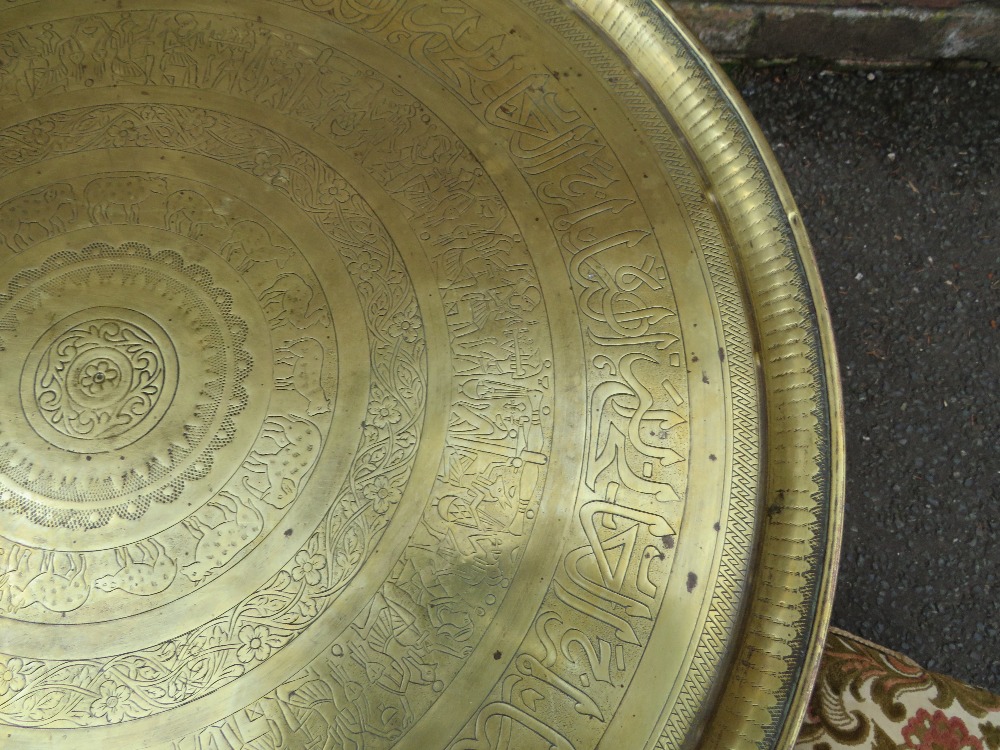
column 401, row 373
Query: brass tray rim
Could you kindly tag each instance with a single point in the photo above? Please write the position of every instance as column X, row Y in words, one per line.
column 785, row 730
column 821, row 624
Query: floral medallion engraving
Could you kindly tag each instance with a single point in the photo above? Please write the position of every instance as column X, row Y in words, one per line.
column 105, row 432
column 100, row 380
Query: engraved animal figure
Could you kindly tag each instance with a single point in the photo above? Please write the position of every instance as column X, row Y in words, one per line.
column 477, row 253
column 285, row 452
column 321, row 710
column 61, row 589
column 124, row 192
column 251, row 244
column 290, row 300
column 189, row 213
column 15, row 572
column 396, row 645
column 218, row 544
column 150, row 572
column 305, row 358
column 37, row 215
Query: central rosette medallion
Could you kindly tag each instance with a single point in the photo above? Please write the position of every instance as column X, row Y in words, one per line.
column 101, row 382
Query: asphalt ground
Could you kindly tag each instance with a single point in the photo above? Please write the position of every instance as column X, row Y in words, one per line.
column 897, row 175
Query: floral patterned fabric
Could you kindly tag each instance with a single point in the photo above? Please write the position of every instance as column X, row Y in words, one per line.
column 869, row 697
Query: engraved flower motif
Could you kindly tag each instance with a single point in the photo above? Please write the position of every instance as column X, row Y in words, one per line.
column 335, row 191
column 266, row 165
column 384, row 411
column 198, row 124
column 382, row 494
column 40, row 132
column 365, row 265
column 11, row 679
column 127, row 133
column 406, row 326
column 113, row 703
column 97, row 376
column 308, row 566
column 257, row 643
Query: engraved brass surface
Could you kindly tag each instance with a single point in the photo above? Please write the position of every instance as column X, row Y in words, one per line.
column 393, row 373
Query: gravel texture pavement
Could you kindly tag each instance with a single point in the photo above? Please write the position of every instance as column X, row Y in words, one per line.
column 897, row 174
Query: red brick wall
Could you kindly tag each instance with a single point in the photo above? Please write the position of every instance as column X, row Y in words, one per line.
column 865, row 32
